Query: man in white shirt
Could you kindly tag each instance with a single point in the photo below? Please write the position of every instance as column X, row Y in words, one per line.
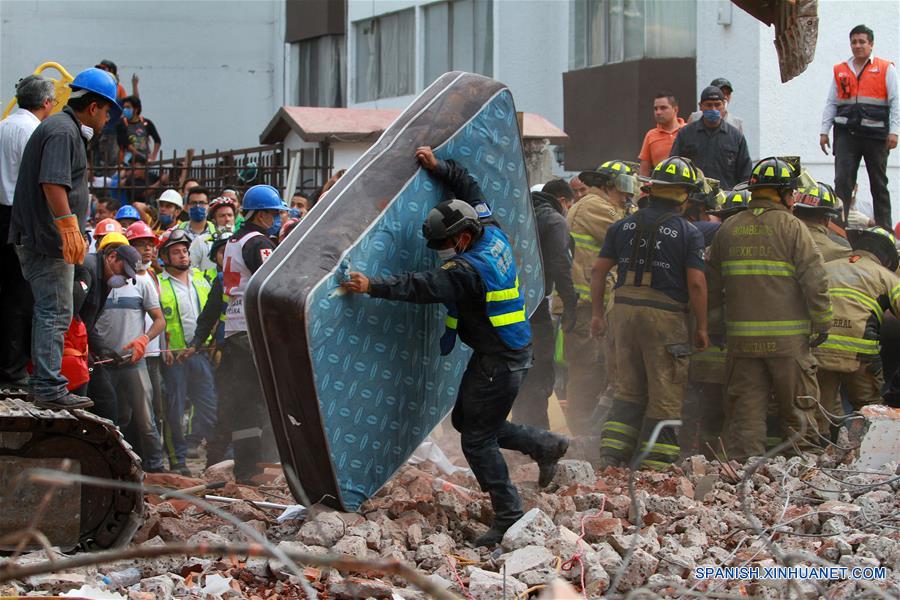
column 35, row 96
column 864, row 107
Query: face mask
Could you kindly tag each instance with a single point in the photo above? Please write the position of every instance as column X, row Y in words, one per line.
column 275, row 229
column 116, row 281
column 712, row 115
column 197, row 213
column 165, row 220
column 128, row 113
column 446, row 254
column 146, row 266
column 87, row 132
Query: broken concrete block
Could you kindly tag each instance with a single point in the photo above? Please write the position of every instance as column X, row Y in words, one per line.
column 537, row 576
column 351, row 588
column 352, row 545
column 885, row 550
column 486, row 585
column 639, row 570
column 325, row 530
column 559, row 590
column 571, row 472
column 525, row 559
column 368, row 530
column 694, row 537
column 599, row 529
column 534, row 528
column 56, row 582
column 596, row 579
column 442, row 541
column 606, row 556
column 566, row 543
column 881, row 442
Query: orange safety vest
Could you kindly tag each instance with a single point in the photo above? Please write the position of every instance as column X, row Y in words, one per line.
column 862, row 102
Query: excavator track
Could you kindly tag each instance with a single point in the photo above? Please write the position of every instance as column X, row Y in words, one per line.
column 73, row 516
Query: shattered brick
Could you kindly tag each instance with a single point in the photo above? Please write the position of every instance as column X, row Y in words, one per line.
column 532, row 529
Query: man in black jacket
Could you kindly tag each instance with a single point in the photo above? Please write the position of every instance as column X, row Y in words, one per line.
column 550, row 206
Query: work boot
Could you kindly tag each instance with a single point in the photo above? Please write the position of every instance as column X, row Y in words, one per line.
column 491, row 537
column 67, row 402
column 553, row 450
column 181, row 469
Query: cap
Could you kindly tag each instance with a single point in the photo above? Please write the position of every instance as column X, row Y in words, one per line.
column 107, row 64
column 131, row 259
column 721, row 82
column 711, row 93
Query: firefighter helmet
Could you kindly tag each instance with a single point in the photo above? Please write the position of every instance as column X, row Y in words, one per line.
column 773, row 172
column 735, row 202
column 173, row 237
column 818, row 199
column 447, row 219
column 613, row 172
column 219, row 239
column 879, row 242
column 674, row 171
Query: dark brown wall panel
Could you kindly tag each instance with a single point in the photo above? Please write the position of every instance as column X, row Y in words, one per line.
column 306, row 19
column 608, row 109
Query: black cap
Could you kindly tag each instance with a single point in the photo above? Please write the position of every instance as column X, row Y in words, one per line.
column 107, row 64
column 721, row 82
column 712, row 93
column 131, row 259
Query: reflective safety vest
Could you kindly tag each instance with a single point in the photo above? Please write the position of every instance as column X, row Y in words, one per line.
column 860, row 293
column 493, row 260
column 169, row 301
column 862, row 102
column 236, row 277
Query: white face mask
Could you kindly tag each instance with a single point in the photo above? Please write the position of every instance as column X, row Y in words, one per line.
column 146, row 266
column 87, row 132
column 446, row 254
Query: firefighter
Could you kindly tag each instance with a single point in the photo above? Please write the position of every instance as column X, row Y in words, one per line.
column 862, row 287
column 241, row 394
column 609, row 191
column 764, row 267
column 659, row 256
column 478, row 281
column 816, row 206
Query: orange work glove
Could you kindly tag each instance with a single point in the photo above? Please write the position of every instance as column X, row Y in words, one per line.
column 73, row 245
column 138, row 347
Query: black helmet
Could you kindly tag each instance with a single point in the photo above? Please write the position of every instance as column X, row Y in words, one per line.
column 773, row 172
column 447, row 219
column 707, row 192
column 219, row 239
column 674, row 171
column 613, row 172
column 173, row 237
column 735, row 202
column 879, row 242
column 818, row 199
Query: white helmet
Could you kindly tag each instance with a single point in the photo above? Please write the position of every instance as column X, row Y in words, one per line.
column 172, row 197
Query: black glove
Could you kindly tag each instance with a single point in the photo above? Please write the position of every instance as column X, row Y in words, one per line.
column 569, row 320
column 817, row 339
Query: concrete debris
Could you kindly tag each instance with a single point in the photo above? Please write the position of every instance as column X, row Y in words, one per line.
column 578, row 532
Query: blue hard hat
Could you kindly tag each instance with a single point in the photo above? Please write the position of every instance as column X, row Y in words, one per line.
column 101, row 83
column 128, row 212
column 262, row 197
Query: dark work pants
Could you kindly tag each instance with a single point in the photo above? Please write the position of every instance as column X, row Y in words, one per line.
column 16, row 304
column 486, row 395
column 244, row 408
column 100, row 389
column 848, row 150
column 534, row 396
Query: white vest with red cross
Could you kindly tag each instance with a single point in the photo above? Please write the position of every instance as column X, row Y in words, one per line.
column 235, row 278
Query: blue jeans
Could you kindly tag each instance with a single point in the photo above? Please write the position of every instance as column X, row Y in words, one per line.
column 51, row 285
column 191, row 379
column 135, row 407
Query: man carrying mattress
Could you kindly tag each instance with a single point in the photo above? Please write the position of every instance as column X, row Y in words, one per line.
column 478, row 283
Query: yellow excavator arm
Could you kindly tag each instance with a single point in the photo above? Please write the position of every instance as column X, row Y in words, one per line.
column 62, row 87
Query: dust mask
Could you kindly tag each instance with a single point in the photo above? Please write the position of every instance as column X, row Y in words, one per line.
column 446, row 254
column 87, row 132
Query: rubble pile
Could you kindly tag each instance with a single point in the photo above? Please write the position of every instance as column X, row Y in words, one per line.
column 581, row 529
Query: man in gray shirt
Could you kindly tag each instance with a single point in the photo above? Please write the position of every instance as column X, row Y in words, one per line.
column 712, row 144
column 48, row 220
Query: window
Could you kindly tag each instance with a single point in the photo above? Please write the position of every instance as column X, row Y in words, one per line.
column 459, row 35
column 611, row 31
column 322, row 71
column 385, row 56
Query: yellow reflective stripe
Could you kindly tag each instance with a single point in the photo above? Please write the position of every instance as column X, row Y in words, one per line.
column 666, row 449
column 711, row 354
column 508, row 318
column 507, row 294
column 656, row 465
column 822, row 316
column 771, row 442
column 763, row 328
column 586, row 241
column 852, row 344
column 776, row 268
column 584, row 291
column 451, row 322
column 620, row 427
column 864, row 299
column 615, row 444
column 895, row 294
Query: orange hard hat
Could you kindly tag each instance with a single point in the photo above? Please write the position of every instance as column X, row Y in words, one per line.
column 107, row 226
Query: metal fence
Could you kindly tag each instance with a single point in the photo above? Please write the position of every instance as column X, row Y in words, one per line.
column 235, row 169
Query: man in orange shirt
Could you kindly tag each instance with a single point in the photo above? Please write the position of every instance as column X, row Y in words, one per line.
column 658, row 141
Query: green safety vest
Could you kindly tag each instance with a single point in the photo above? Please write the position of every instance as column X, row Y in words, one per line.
column 169, row 302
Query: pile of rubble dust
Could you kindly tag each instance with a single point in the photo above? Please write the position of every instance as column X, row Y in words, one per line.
column 579, row 532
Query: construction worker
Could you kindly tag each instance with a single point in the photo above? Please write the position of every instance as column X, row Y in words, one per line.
column 198, row 223
column 704, row 414
column 241, row 394
column 478, row 281
column 183, row 294
column 169, row 207
column 221, row 214
column 764, row 267
column 609, row 191
column 862, row 287
column 127, row 215
column 816, row 206
column 659, row 256
column 50, row 207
